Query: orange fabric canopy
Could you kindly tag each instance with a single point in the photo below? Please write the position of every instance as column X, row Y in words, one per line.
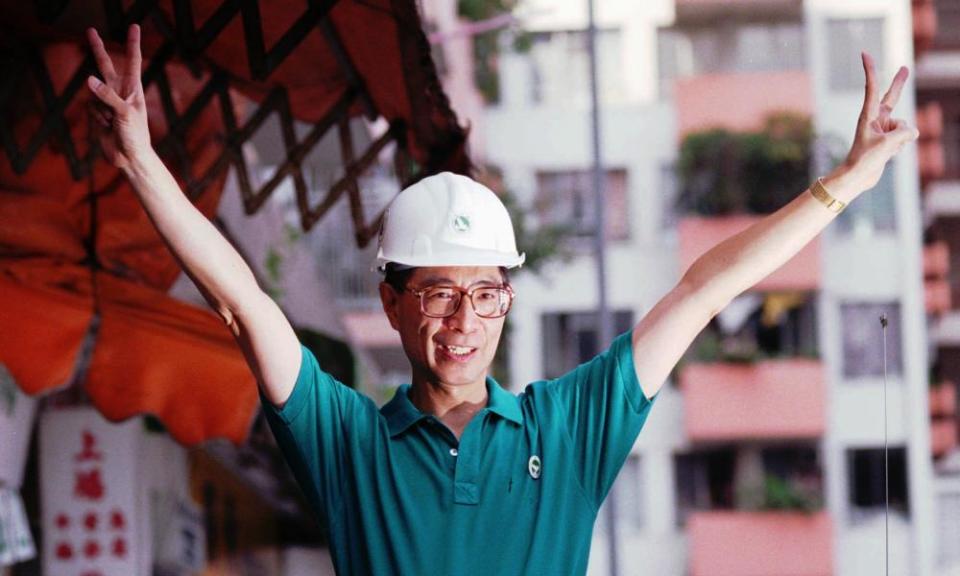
column 75, row 250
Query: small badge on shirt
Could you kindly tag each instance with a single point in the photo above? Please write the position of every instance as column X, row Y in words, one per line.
column 534, row 467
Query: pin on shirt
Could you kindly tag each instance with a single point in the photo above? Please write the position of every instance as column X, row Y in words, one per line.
column 534, row 467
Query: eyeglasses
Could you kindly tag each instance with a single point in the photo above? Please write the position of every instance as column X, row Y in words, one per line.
column 444, row 301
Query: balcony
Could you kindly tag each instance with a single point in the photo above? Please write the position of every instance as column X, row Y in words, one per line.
column 692, row 11
column 936, row 284
column 757, row 94
column 936, row 296
column 943, row 437
column 943, row 424
column 931, row 155
column 943, row 399
column 771, row 399
column 760, row 544
column 924, row 25
column 699, row 234
column 936, row 260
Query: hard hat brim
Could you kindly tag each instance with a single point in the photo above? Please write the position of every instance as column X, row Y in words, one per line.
column 461, row 258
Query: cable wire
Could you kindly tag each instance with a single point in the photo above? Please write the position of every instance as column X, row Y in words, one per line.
column 886, row 455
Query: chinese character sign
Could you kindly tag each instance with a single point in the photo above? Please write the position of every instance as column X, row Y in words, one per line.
column 88, row 483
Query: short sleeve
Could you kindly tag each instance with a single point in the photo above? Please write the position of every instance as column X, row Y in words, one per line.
column 312, row 430
column 603, row 409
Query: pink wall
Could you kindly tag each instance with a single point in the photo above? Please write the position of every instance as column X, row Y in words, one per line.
column 699, row 234
column 739, row 101
column 936, row 260
column 767, row 399
column 760, row 544
column 936, row 296
column 943, row 436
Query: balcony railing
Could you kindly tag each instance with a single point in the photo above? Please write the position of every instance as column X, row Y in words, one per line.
column 761, row 544
column 757, row 94
column 936, row 284
column 943, row 423
column 782, row 398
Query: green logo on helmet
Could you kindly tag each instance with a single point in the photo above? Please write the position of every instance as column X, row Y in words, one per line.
column 461, row 223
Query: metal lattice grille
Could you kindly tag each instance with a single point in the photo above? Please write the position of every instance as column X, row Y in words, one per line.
column 185, row 41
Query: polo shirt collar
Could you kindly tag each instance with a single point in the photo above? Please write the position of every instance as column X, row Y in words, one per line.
column 401, row 414
column 503, row 403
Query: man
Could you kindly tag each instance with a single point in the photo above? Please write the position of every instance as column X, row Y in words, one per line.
column 456, row 475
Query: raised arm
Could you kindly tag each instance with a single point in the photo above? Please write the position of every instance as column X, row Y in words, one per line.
column 739, row 262
column 268, row 342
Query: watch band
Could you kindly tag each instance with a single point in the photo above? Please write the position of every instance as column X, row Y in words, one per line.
column 819, row 192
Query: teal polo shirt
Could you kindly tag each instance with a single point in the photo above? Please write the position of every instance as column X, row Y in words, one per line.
column 517, row 494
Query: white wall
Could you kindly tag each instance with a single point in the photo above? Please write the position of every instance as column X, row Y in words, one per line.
column 872, row 269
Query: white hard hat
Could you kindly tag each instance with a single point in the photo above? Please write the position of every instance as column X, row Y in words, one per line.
column 447, row 220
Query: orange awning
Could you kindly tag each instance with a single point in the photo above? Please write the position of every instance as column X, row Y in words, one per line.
column 78, row 256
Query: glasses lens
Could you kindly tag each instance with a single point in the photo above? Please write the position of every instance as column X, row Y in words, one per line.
column 440, row 301
column 491, row 302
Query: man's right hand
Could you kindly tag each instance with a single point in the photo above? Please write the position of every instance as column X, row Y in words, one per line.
column 120, row 107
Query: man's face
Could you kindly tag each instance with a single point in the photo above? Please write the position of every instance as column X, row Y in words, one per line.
column 456, row 350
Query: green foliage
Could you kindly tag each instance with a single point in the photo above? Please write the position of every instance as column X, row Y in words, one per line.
column 486, row 49
column 476, row 10
column 486, row 46
column 723, row 172
column 780, row 494
column 541, row 244
column 273, row 264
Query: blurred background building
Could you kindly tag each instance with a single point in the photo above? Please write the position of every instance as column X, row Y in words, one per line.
column 765, row 452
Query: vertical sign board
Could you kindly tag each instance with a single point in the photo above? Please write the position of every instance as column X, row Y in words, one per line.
column 88, row 486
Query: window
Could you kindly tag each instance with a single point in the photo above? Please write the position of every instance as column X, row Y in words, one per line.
column 565, row 198
column 560, row 67
column 354, row 285
column 865, row 476
column 948, row 527
column 570, row 339
column 846, row 38
column 669, row 219
column 753, row 46
column 760, row 325
column 873, row 211
column 704, row 481
column 628, row 499
column 769, row 47
column 948, row 24
column 749, row 477
column 863, row 339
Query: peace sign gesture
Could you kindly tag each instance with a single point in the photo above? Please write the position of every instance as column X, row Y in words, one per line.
column 879, row 136
column 120, row 107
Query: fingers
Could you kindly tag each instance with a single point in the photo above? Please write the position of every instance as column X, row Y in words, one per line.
column 134, row 59
column 102, row 117
column 104, row 63
column 106, row 94
column 870, row 104
column 892, row 96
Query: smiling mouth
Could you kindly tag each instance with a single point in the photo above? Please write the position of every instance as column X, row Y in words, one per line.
column 457, row 352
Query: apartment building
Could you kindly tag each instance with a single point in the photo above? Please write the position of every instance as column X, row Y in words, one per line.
column 937, row 48
column 765, row 452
